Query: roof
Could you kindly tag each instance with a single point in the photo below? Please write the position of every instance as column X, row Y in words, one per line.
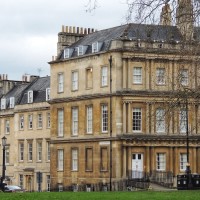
column 15, row 92
column 38, row 86
column 129, row 31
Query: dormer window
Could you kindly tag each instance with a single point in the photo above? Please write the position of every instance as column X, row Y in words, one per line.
column 68, row 52
column 96, row 46
column 47, row 94
column 12, row 102
column 81, row 50
column 3, row 103
column 30, row 96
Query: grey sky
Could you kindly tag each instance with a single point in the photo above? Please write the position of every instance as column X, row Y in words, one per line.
column 29, row 28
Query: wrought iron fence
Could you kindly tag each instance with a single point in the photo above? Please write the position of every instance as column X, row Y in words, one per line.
column 162, row 178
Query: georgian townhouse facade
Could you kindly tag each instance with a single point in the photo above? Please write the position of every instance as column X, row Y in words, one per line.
column 25, row 121
column 117, row 105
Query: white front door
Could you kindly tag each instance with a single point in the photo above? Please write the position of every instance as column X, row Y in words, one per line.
column 137, row 165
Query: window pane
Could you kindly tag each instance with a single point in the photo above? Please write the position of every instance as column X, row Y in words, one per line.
column 89, row 119
column 137, row 75
column 161, row 161
column 160, row 76
column 60, row 159
column 137, row 119
column 60, row 82
column 104, row 115
column 60, row 123
column 74, row 159
column 160, row 120
column 183, row 121
column 74, row 80
column 74, row 121
column 104, row 76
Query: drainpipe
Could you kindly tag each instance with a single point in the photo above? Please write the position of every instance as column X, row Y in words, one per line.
column 110, row 62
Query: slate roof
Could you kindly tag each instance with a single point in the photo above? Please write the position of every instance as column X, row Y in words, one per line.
column 132, row 32
column 38, row 86
column 15, row 92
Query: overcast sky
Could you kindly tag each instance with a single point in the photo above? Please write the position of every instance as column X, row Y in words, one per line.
column 29, row 28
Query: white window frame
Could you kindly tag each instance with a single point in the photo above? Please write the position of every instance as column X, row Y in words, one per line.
column 68, row 52
column 48, row 94
column 183, row 161
column 21, row 122
column 48, row 151
column 104, row 118
column 39, row 121
column 30, row 96
column 74, row 80
column 160, row 76
column 3, row 103
column 80, row 50
column 21, row 181
column 104, row 76
column 75, row 121
column 137, row 75
column 7, row 155
column 74, row 159
column 89, row 119
column 48, row 178
column 48, row 120
column 183, row 121
column 30, row 151
column 60, row 161
column 60, row 122
column 21, row 151
column 39, row 151
column 184, row 77
column 137, row 120
column 160, row 161
column 60, row 82
column 95, row 47
column 30, row 121
column 160, row 120
column 7, row 126
column 12, row 102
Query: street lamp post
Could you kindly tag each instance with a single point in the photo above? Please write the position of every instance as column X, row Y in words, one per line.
column 188, row 170
column 3, row 164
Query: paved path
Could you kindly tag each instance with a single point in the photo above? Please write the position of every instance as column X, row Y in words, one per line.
column 156, row 187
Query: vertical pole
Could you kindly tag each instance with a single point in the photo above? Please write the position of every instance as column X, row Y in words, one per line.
column 3, row 169
column 110, row 61
column 188, row 170
column 187, row 131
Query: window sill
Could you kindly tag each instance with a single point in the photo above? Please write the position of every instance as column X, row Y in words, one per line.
column 137, row 83
column 104, row 86
column 161, row 84
column 104, row 132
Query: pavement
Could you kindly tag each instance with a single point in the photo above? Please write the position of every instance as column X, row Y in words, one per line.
column 156, row 187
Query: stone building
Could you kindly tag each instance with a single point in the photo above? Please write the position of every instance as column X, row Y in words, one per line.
column 25, row 121
column 115, row 114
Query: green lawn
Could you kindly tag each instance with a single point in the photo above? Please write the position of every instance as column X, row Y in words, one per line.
column 148, row 195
